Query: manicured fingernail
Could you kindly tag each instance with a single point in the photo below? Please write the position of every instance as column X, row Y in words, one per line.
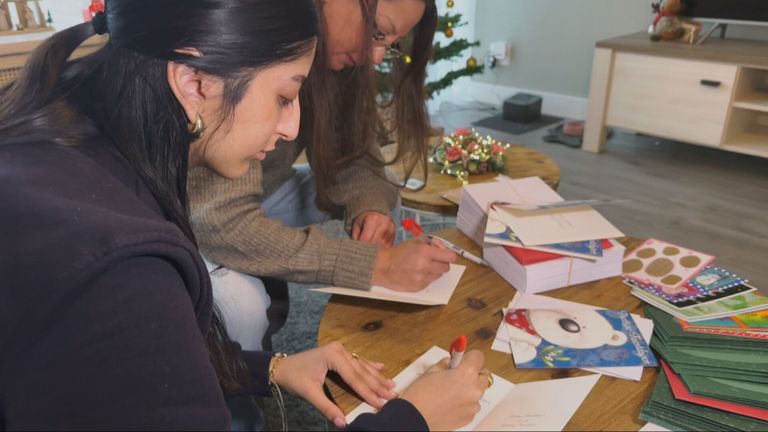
column 391, row 383
column 392, row 394
column 339, row 422
column 378, row 365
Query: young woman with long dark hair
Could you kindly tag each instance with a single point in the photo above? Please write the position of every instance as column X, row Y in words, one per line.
column 106, row 313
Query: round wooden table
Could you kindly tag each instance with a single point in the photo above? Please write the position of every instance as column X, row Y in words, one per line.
column 397, row 334
column 521, row 162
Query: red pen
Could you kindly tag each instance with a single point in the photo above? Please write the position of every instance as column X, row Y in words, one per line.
column 414, row 228
column 457, row 351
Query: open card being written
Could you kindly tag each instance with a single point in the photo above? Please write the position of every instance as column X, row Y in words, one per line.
column 437, row 293
column 565, row 225
column 506, row 406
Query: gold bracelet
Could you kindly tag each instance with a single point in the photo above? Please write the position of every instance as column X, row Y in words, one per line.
column 273, row 366
column 278, row 395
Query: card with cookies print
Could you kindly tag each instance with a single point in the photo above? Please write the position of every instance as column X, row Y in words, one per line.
column 664, row 265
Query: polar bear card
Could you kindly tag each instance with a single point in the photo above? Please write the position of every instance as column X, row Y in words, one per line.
column 575, row 338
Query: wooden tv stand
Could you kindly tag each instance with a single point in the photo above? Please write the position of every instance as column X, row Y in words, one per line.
column 714, row 94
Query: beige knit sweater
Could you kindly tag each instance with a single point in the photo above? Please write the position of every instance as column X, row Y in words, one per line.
column 232, row 230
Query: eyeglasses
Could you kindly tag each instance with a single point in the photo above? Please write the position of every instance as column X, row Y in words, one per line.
column 393, row 50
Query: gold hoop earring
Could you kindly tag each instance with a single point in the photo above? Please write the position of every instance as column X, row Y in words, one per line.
column 197, row 128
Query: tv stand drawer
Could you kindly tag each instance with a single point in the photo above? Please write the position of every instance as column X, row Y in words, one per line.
column 685, row 100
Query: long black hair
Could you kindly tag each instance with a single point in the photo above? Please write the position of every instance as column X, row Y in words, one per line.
column 121, row 91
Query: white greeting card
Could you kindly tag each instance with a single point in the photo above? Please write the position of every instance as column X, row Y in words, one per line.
column 439, row 292
column 506, row 406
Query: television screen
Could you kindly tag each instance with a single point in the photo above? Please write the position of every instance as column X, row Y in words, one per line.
column 727, row 10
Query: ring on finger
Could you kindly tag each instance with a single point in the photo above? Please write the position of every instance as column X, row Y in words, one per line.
column 489, row 377
column 355, row 356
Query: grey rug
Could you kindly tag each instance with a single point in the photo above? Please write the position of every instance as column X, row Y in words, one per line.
column 498, row 123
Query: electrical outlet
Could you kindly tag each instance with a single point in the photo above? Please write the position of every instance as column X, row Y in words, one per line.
column 500, row 51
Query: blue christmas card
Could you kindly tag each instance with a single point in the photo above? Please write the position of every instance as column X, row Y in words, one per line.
column 497, row 232
column 575, row 338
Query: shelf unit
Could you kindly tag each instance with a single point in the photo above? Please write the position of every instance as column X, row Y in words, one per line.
column 747, row 127
column 714, row 94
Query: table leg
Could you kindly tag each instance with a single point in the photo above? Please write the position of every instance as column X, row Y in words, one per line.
column 595, row 131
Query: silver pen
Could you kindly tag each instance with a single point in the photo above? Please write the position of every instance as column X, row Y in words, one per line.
column 459, row 251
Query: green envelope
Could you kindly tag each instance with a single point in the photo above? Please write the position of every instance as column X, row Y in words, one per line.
column 743, row 392
column 704, row 358
column 662, row 407
column 709, row 366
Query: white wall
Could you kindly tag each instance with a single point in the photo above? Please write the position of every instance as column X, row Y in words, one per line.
column 65, row 13
column 553, row 40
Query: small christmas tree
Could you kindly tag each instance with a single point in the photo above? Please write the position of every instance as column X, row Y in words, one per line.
column 446, row 25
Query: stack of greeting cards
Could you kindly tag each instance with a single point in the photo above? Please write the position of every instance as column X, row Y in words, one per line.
column 681, row 282
column 536, row 240
column 751, row 325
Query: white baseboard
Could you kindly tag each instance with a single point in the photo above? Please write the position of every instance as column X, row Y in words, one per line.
column 570, row 107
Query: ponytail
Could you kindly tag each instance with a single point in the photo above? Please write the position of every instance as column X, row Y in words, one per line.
column 31, row 106
column 35, row 86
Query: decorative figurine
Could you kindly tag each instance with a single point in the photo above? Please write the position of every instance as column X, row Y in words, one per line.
column 667, row 26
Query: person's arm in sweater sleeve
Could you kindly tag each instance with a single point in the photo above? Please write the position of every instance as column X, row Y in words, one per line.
column 232, row 231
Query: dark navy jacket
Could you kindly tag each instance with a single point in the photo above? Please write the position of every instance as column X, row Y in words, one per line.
column 104, row 303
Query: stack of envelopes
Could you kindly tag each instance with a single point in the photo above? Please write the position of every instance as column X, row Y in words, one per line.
column 663, row 409
column 709, row 382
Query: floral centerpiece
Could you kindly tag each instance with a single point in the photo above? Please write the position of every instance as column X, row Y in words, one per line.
column 465, row 152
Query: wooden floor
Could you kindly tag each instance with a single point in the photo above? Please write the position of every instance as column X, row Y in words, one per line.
column 706, row 199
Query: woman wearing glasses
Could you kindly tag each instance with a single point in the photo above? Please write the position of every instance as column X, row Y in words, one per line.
column 264, row 223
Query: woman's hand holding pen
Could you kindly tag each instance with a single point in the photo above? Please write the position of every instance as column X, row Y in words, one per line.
column 303, row 375
column 411, row 266
column 449, row 398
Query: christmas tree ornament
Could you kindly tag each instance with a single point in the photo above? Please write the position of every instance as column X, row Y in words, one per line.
column 449, row 4
column 451, row 50
column 472, row 62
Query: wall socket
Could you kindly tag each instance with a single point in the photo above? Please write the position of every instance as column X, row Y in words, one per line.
column 500, row 51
